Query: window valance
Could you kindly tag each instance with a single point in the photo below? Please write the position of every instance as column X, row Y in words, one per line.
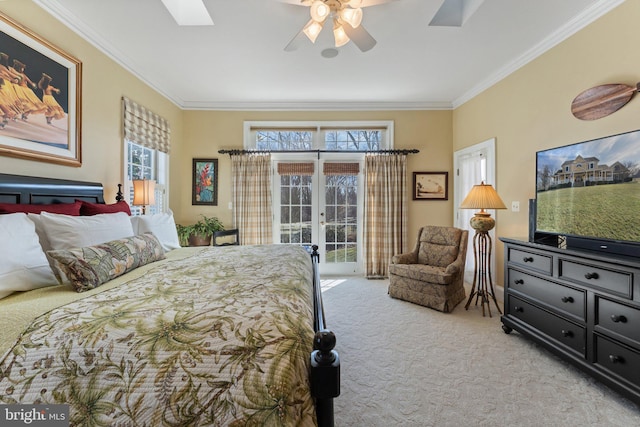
column 295, row 169
column 144, row 127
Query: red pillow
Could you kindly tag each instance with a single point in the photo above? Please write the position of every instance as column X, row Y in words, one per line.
column 88, row 208
column 56, row 208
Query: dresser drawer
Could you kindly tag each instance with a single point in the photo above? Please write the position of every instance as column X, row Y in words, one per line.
column 530, row 260
column 618, row 359
column 619, row 318
column 563, row 331
column 618, row 282
column 560, row 297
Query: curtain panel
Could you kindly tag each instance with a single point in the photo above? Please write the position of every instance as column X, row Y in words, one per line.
column 144, row 127
column 385, row 222
column 251, row 174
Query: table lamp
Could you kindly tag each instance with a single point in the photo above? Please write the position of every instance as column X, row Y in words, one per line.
column 144, row 193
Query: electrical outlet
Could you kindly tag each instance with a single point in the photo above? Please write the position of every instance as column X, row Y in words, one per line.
column 230, row 206
column 515, row 206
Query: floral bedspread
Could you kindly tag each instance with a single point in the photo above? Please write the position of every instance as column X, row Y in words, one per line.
column 220, row 338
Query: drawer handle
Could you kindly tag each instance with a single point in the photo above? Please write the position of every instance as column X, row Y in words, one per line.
column 567, row 333
column 590, row 276
column 615, row 318
column 518, row 309
column 567, row 299
column 616, row 359
column 519, row 282
column 527, row 259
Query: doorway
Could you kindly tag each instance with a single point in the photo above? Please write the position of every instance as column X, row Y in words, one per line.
column 472, row 165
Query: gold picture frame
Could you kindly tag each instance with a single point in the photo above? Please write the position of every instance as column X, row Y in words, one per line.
column 41, row 102
column 431, row 186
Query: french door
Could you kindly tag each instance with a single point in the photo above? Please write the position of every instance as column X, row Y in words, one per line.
column 318, row 201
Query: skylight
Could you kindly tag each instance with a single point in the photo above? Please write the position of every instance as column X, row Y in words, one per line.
column 188, row 12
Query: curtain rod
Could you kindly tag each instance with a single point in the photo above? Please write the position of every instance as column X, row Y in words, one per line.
column 236, row 152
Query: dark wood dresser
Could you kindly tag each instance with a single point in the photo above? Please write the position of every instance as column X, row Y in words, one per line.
column 581, row 305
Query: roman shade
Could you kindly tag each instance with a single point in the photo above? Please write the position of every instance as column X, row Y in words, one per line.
column 144, row 127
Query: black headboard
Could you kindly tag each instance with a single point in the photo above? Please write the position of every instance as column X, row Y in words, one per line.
column 35, row 190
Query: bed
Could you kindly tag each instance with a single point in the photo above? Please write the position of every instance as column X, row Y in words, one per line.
column 188, row 336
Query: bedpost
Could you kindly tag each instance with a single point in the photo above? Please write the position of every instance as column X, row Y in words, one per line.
column 119, row 196
column 325, row 362
column 325, row 376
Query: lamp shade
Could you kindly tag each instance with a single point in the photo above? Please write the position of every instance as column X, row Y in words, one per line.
column 352, row 16
column 319, row 11
column 482, row 196
column 312, row 30
column 340, row 36
column 144, row 192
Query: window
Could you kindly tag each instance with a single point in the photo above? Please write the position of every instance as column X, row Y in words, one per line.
column 146, row 147
column 147, row 163
column 317, row 182
column 331, row 136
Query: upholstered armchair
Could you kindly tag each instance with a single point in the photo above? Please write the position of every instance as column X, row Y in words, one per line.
column 433, row 273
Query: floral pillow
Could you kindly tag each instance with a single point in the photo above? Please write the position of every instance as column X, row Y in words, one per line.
column 89, row 267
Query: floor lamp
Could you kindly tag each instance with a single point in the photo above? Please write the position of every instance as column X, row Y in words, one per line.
column 482, row 196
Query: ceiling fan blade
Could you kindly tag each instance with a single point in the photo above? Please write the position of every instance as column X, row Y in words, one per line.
column 298, row 2
column 360, row 37
column 296, row 41
column 367, row 3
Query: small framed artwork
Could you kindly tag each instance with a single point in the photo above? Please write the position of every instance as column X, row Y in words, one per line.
column 40, row 87
column 205, row 182
column 430, row 185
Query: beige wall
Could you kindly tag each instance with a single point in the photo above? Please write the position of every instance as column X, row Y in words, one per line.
column 530, row 110
column 206, row 132
column 104, row 83
column 526, row 112
column 201, row 133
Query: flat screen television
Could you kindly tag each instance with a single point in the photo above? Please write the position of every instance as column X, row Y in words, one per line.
column 588, row 195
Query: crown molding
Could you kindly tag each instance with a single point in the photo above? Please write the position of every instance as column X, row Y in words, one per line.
column 591, row 14
column 62, row 14
column 316, row 106
column 585, row 18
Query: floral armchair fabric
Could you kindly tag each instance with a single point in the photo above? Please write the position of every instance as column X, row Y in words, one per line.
column 432, row 274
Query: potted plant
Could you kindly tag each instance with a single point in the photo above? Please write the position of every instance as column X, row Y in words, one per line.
column 200, row 233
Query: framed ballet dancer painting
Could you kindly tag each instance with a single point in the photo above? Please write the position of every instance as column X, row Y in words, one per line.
column 40, row 98
column 430, row 185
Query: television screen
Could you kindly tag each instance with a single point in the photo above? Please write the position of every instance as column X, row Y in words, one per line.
column 591, row 189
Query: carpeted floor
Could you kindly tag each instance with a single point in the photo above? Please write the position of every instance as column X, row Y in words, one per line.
column 407, row 365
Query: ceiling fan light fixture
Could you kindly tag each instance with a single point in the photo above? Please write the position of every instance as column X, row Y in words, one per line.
column 319, row 11
column 312, row 30
column 351, row 16
column 340, row 36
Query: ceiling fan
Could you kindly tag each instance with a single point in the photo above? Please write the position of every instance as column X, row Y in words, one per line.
column 345, row 16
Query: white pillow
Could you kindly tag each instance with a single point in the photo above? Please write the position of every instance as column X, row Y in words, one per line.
column 162, row 225
column 66, row 232
column 23, row 264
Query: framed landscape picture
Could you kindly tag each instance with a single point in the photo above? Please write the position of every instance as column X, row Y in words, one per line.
column 430, row 185
column 40, row 86
column 205, row 182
